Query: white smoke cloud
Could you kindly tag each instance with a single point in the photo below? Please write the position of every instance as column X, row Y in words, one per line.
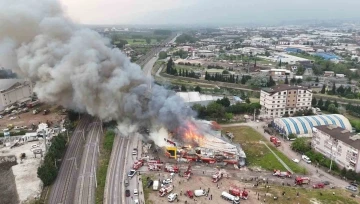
column 77, row 68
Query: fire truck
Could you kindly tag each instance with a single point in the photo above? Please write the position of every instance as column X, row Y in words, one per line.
column 217, row 176
column 302, row 180
column 138, row 164
column 275, row 141
column 279, row 173
column 171, row 169
column 154, row 167
column 235, row 191
column 187, row 173
column 165, row 190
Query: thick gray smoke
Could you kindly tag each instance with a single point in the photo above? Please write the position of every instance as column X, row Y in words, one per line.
column 77, row 68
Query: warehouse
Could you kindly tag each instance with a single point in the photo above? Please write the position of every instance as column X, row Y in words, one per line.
column 303, row 125
column 192, row 98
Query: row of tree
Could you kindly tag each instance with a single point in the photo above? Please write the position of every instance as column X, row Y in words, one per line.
column 331, row 106
column 189, row 64
column 221, row 77
column 215, row 67
column 346, row 92
column 221, row 109
column 49, row 169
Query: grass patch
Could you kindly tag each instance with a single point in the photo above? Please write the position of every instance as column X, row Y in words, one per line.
column 258, row 155
column 307, row 196
column 139, row 41
column 255, row 100
column 104, row 158
column 146, row 189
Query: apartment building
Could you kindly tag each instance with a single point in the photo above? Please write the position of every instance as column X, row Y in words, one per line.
column 284, row 98
column 338, row 144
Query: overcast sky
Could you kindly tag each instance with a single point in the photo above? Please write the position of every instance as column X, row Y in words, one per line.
column 207, row 11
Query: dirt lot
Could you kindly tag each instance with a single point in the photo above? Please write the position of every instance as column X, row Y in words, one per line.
column 28, row 118
column 256, row 194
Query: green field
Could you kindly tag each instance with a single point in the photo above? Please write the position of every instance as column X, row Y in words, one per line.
column 147, row 190
column 257, row 154
column 306, row 196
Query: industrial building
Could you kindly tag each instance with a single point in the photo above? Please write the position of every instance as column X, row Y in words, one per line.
column 284, row 98
column 14, row 91
column 302, row 126
column 338, row 144
column 192, row 98
column 210, row 147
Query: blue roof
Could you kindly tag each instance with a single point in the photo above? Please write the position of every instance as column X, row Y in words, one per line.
column 304, row 124
column 291, row 49
column 327, row 56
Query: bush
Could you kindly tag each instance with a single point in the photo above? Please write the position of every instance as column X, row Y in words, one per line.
column 47, row 172
column 301, row 145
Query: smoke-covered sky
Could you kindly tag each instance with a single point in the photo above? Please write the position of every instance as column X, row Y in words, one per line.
column 76, row 68
column 209, row 12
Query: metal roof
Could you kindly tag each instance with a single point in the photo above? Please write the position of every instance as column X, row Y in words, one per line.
column 304, row 124
column 196, row 97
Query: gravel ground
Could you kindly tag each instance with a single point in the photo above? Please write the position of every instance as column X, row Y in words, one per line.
column 197, row 182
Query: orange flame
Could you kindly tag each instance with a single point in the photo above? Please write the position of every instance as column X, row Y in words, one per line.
column 191, row 135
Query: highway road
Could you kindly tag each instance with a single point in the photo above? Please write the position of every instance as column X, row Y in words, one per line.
column 121, row 159
column 87, row 181
column 64, row 187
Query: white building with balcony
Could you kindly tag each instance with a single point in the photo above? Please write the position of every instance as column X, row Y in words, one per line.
column 284, row 98
column 338, row 144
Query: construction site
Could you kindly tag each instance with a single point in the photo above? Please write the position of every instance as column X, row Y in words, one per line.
column 27, row 129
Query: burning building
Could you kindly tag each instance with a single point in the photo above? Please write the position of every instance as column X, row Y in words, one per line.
column 202, row 141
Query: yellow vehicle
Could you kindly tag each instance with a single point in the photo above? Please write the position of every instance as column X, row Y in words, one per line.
column 10, row 126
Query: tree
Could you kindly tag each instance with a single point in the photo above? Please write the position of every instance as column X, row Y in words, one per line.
column 301, row 145
column 320, row 103
column 198, row 89
column 162, row 55
column 333, row 90
column 293, row 80
column 323, row 90
column 317, row 80
column 271, row 82
column 267, row 53
column 169, row 66
column 148, row 40
column 327, row 103
column 183, row 88
column 292, row 136
column 299, row 81
column 247, row 100
column 314, row 102
column 286, row 80
column 332, row 109
column 286, row 115
column 336, row 104
column 243, row 80
column 228, row 116
column 225, row 72
column 280, row 63
column 224, row 102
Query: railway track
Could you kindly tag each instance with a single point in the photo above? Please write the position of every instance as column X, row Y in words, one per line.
column 114, row 190
column 64, row 187
column 86, row 183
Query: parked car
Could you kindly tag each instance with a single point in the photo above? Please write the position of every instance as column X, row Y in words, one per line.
column 296, row 160
column 136, row 192
column 351, row 188
column 136, row 201
column 134, row 152
column 319, row 185
column 353, row 184
column 127, row 193
column 306, row 159
column 326, row 183
column 126, row 182
column 132, row 173
column 167, row 181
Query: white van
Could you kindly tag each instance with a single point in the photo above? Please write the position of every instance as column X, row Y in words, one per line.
column 306, row 159
column 156, row 185
column 172, row 197
column 200, row 192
